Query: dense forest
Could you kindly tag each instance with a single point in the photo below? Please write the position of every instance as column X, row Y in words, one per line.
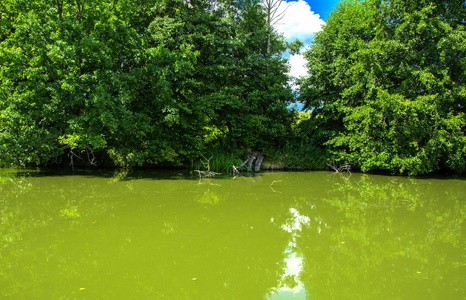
column 165, row 82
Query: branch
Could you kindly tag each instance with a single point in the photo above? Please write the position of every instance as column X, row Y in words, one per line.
column 203, row 174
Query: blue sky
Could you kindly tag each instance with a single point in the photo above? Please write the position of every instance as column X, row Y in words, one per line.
column 322, row 7
column 303, row 18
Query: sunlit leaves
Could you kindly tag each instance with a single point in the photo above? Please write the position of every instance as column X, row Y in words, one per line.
column 136, row 82
column 395, row 81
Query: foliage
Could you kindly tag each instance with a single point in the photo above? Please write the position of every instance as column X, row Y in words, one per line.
column 377, row 226
column 387, row 85
column 70, row 211
column 137, row 82
column 223, row 163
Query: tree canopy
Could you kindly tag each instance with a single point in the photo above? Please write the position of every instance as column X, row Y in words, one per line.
column 387, row 85
column 159, row 82
column 137, row 82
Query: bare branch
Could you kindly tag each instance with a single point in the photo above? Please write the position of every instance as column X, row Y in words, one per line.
column 208, row 172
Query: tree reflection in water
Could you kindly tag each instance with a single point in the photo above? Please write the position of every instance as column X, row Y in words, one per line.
column 314, row 235
column 384, row 238
column 290, row 286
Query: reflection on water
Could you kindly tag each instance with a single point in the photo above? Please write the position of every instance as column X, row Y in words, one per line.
column 290, row 286
column 159, row 235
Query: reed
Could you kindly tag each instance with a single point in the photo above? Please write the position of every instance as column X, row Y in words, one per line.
column 221, row 162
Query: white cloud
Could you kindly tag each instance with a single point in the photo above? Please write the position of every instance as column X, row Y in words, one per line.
column 299, row 22
column 298, row 65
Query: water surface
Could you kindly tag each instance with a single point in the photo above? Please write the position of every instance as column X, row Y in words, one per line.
column 168, row 235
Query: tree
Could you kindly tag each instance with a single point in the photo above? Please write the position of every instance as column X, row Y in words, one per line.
column 238, row 93
column 78, row 80
column 388, row 77
column 137, row 82
column 274, row 12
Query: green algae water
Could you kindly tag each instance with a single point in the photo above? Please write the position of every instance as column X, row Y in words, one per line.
column 168, row 235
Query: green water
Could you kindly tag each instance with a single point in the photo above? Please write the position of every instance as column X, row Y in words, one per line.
column 166, row 235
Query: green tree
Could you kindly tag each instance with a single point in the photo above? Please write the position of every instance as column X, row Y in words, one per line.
column 76, row 77
column 238, row 92
column 387, row 78
column 137, row 82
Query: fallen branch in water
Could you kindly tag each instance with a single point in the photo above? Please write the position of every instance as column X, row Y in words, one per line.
column 271, row 186
column 275, row 181
column 343, row 168
column 346, row 167
column 208, row 172
column 235, row 170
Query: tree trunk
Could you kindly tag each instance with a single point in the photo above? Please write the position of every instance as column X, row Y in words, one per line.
column 257, row 166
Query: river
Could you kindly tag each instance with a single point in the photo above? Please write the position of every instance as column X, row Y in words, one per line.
column 278, row 235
